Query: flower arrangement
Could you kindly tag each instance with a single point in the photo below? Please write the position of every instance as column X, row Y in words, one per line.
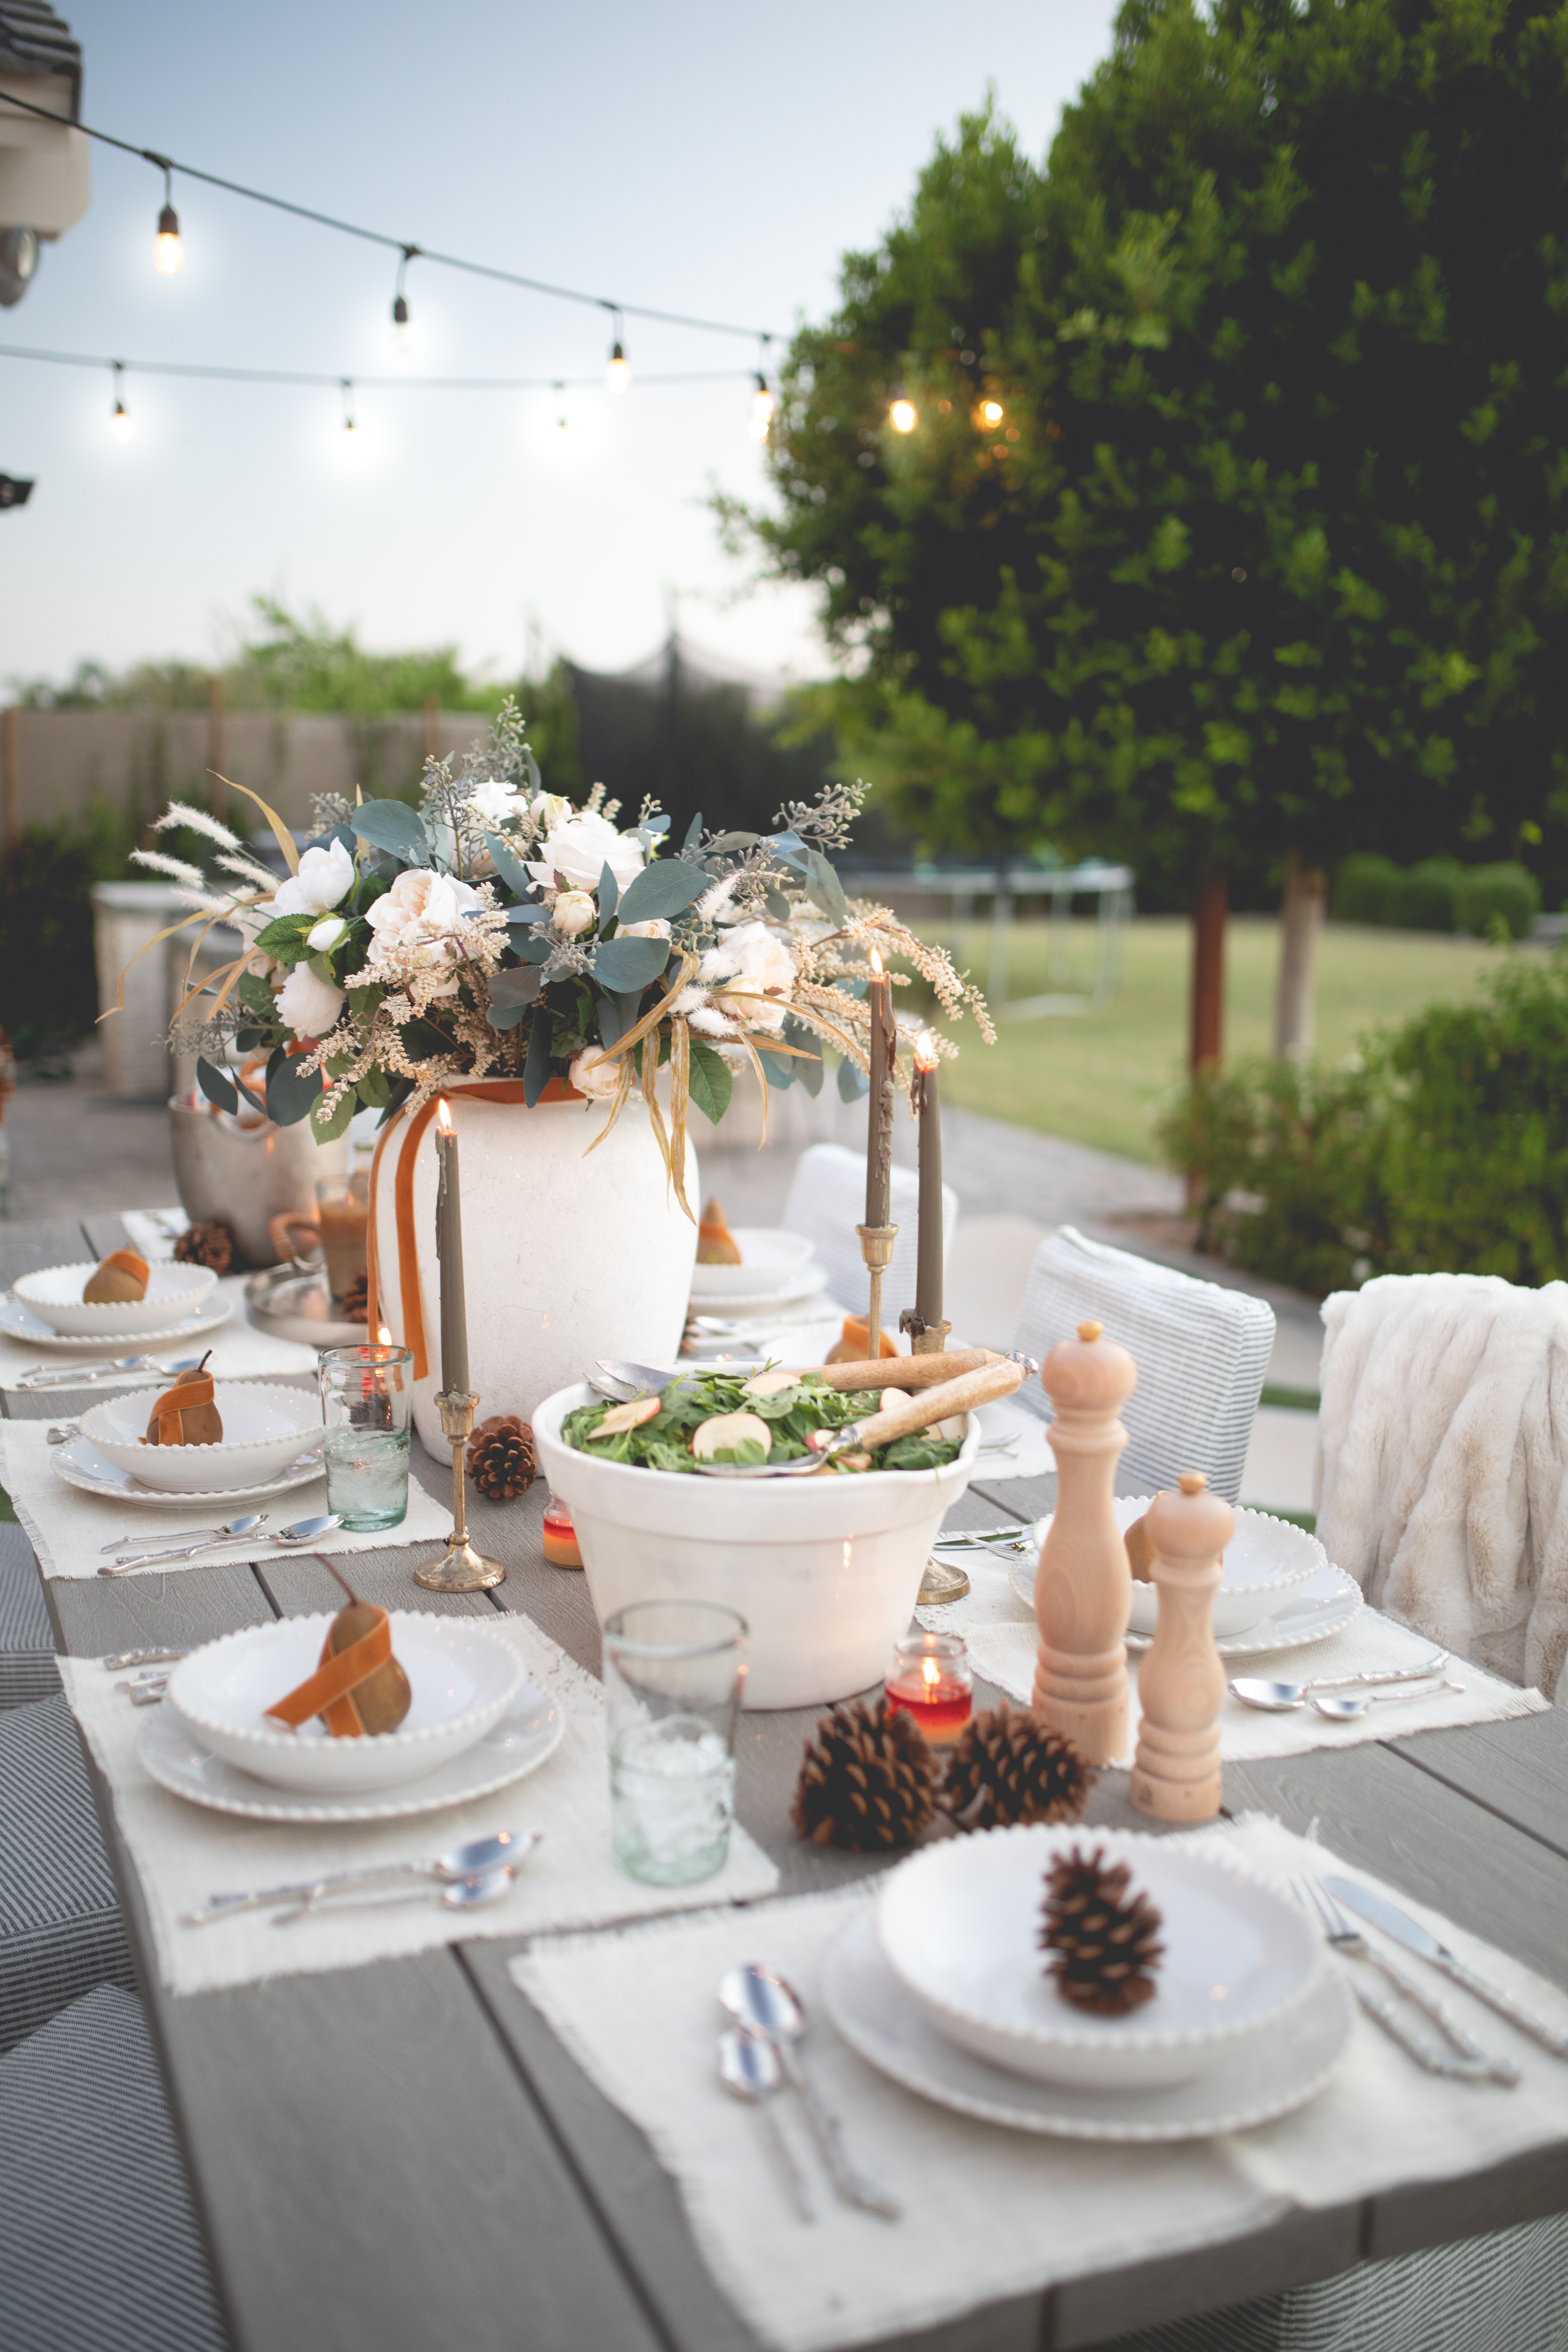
column 498, row 930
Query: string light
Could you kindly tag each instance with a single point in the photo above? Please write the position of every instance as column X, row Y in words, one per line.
column 619, row 374
column 168, row 253
column 903, row 416
column 400, row 300
column 992, row 412
column 348, row 392
column 119, row 423
column 761, row 409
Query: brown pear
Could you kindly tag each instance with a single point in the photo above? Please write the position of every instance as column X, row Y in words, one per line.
column 1138, row 1552
column 200, row 1424
column 716, row 1244
column 116, row 1281
column 385, row 1697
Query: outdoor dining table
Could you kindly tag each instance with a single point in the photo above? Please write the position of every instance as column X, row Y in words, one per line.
column 403, row 2154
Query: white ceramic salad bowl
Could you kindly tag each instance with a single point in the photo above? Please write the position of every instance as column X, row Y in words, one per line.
column 264, row 1430
column 960, row 1927
column 824, row 1570
column 54, row 1296
column 461, row 1677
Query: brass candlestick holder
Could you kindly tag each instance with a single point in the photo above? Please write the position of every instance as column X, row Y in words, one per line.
column 876, row 1249
column 461, row 1567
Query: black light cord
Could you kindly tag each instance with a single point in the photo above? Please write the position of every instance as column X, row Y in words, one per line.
column 372, row 383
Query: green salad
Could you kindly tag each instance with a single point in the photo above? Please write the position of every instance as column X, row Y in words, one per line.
column 663, row 1441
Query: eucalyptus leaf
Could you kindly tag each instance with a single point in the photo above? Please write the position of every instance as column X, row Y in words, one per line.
column 291, row 1092
column 343, row 832
column 374, row 1089
column 327, row 1130
column 521, row 917
column 510, row 867
column 775, row 905
column 536, row 1067
column 852, row 1081
column 693, row 832
column 609, row 893
column 662, row 890
column 825, row 888
column 392, row 826
column 629, row 963
column 727, row 841
column 713, row 1082
column 216, row 1084
column 779, row 1069
column 617, row 1014
column 537, row 948
column 531, row 764
column 519, row 984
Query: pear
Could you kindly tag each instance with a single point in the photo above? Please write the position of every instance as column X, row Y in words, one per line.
column 716, row 1244
column 1138, row 1554
column 383, row 1698
column 201, row 1423
column 117, row 1280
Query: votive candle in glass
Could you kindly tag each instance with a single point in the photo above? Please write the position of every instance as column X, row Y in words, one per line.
column 931, row 1680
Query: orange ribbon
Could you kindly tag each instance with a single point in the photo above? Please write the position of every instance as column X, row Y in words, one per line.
column 510, row 1090
column 129, row 1262
column 328, row 1691
column 169, row 1411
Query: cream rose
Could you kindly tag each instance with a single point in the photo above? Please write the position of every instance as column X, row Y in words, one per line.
column 308, row 1005
column 497, row 803
column 576, row 853
column 656, row 928
column 324, row 875
column 598, row 1081
column 573, row 913
column 421, row 907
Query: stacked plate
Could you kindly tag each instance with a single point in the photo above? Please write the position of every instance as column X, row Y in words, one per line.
column 271, row 1444
column 774, row 1303
column 943, row 1988
column 475, row 1724
column 47, row 1308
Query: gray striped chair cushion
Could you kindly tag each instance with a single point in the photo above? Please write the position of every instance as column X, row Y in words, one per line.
column 1504, row 2293
column 27, row 1669
column 99, row 2245
column 60, row 1930
column 1202, row 1352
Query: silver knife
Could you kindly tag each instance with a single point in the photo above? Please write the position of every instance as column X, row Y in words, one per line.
column 86, row 1376
column 1416, row 1938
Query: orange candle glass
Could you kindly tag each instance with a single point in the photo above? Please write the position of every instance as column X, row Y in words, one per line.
column 560, row 1537
column 931, row 1680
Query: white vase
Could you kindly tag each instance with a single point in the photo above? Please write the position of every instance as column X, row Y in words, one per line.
column 565, row 1259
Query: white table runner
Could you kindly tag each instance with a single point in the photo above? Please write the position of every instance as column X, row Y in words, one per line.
column 990, row 2213
column 239, row 1351
column 185, row 1852
column 1003, row 1638
column 70, row 1528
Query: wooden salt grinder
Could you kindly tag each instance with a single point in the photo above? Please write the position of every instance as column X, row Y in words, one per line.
column 1083, row 1590
column 1181, row 1683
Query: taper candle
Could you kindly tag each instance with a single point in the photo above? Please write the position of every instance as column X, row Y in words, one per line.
column 449, row 1252
column 928, row 1110
column 879, row 1113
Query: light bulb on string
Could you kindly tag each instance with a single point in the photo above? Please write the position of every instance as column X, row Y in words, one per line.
column 992, row 412
column 902, row 415
column 168, row 253
column 763, row 405
column 618, row 374
column 119, row 423
column 401, row 334
column 348, row 392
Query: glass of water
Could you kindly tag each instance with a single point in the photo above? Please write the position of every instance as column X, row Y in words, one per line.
column 673, row 1674
column 367, row 1396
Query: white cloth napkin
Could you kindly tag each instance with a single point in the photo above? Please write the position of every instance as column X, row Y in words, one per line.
column 1003, row 1638
column 238, row 1350
column 988, row 2212
column 185, row 1852
column 70, row 1528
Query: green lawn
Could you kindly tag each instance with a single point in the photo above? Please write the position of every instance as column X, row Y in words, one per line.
column 1100, row 1077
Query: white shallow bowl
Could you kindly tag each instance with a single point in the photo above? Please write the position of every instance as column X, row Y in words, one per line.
column 960, row 1927
column 1266, row 1563
column 462, row 1679
column 769, row 1258
column 173, row 1292
column 264, row 1430
column 824, row 1570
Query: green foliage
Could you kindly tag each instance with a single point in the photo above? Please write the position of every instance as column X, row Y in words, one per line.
column 1268, row 546
column 1446, row 1150
column 48, row 986
column 1439, row 895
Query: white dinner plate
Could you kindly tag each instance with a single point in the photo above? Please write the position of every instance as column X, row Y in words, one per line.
column 770, row 1259
column 1254, row 2085
column 16, row 1323
column 78, row 1462
column 1324, row 1605
column 809, row 1283
column 528, row 1731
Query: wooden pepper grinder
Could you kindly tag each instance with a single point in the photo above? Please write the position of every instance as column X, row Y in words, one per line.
column 1083, row 1589
column 1181, row 1683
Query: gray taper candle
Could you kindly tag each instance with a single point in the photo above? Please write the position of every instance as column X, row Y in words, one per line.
column 449, row 1252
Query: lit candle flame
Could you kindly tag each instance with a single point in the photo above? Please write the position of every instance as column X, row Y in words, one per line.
column 925, row 1051
column 443, row 1117
column 876, row 965
column 385, row 1336
column 932, row 1673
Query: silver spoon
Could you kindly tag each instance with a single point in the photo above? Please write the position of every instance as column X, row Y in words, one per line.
column 762, row 2002
column 1279, row 1699
column 463, row 1895
column 478, row 1856
column 1354, row 1705
column 303, row 1531
column 749, row 2067
column 190, row 1535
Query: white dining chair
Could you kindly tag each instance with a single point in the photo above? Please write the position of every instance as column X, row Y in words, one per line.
column 1201, row 1350
column 827, row 1200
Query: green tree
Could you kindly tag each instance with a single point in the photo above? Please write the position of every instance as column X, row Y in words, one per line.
column 1231, row 528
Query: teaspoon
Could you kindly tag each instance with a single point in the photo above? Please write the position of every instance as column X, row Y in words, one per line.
column 1278, row 1699
column 478, row 1856
column 762, row 2002
column 749, row 2067
column 303, row 1531
column 463, row 1895
column 1354, row 1705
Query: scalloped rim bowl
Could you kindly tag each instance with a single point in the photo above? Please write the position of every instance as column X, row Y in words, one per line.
column 276, row 1426
column 960, row 1926
column 770, row 1256
column 1265, row 1560
column 462, row 1678
column 54, row 1296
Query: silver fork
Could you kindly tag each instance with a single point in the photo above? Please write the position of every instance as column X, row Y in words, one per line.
column 1469, row 2062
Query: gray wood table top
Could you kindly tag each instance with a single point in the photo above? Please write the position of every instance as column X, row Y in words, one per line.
column 403, row 2154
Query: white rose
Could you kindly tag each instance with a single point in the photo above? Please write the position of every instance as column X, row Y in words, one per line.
column 761, row 955
column 550, row 809
column 324, row 875
column 420, row 905
column 308, row 1006
column 747, row 1001
column 656, row 928
column 574, row 854
column 598, row 1081
column 327, row 934
column 573, row 913
column 497, row 803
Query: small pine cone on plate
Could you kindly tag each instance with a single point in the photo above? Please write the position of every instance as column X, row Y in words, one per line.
column 1102, row 1934
column 355, row 1303
column 866, row 1780
column 500, row 1457
column 210, row 1243
column 1006, row 1768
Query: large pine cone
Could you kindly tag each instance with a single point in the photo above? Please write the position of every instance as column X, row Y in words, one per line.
column 500, row 1457
column 864, row 1780
column 1005, row 1769
column 207, row 1244
column 1104, row 1942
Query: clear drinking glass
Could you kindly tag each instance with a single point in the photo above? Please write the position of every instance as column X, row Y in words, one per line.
column 342, row 1215
column 673, row 1673
column 367, row 1396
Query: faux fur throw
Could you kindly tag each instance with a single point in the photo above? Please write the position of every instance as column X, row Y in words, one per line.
column 1441, row 1481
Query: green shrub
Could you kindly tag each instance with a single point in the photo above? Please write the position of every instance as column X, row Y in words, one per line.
column 1445, row 1149
column 1438, row 894
column 1488, row 896
column 1369, row 889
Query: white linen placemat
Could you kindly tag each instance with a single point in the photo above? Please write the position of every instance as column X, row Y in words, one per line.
column 990, row 2213
column 185, row 1852
column 1003, row 1638
column 239, row 1351
column 69, row 1529
column 1014, row 1444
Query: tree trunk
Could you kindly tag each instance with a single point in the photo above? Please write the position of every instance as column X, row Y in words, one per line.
column 1301, row 921
column 1210, row 909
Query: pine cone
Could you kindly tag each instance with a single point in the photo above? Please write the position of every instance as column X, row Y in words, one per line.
column 1104, row 1942
column 500, row 1457
column 864, row 1780
column 356, row 1300
column 1005, row 1769
column 207, row 1244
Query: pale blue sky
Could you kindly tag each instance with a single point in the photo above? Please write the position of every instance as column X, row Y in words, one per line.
column 703, row 158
